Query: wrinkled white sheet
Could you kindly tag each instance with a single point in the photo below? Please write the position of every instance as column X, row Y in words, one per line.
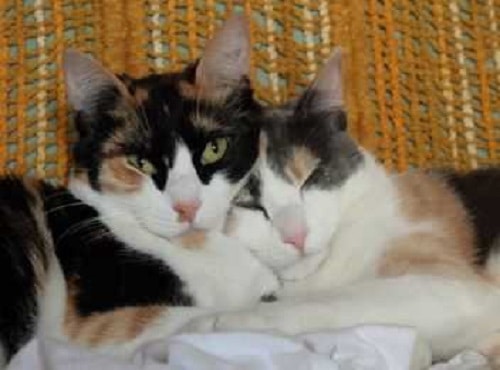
column 360, row 348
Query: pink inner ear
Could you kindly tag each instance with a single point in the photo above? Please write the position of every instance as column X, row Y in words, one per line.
column 85, row 78
column 329, row 81
column 225, row 60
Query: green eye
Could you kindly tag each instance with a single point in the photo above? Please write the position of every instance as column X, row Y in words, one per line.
column 143, row 165
column 214, row 150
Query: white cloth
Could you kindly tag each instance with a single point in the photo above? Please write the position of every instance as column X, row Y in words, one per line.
column 360, row 348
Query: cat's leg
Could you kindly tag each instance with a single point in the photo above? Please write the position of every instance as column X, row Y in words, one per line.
column 221, row 275
column 451, row 314
column 123, row 332
column 119, row 331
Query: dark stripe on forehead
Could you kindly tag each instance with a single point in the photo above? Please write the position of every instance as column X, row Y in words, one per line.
column 236, row 118
column 250, row 195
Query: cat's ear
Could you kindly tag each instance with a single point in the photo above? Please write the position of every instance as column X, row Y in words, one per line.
column 86, row 79
column 225, row 61
column 326, row 91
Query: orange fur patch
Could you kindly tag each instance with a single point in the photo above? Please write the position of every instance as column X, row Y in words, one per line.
column 192, row 239
column 300, row 165
column 117, row 176
column 446, row 249
column 117, row 326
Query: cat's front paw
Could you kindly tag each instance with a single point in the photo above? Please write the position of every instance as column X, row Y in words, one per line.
column 241, row 321
column 230, row 321
column 203, row 324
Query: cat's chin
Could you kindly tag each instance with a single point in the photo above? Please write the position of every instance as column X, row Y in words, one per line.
column 303, row 267
column 168, row 233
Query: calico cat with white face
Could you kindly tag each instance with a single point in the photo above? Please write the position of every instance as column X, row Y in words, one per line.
column 354, row 245
column 169, row 150
column 132, row 250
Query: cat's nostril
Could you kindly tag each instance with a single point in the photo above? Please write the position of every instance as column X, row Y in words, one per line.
column 297, row 240
column 187, row 210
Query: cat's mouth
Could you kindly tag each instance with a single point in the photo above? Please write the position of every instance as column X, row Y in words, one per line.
column 164, row 231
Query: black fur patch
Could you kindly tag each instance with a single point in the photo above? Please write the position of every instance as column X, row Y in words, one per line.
column 142, row 132
column 237, row 119
column 21, row 247
column 480, row 193
column 106, row 272
column 250, row 195
column 164, row 118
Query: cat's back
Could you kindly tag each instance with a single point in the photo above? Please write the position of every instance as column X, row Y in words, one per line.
column 479, row 193
column 455, row 219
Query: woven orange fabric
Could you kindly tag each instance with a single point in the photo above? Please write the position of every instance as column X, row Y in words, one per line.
column 422, row 82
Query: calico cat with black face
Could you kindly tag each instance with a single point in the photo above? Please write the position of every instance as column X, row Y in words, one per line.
column 133, row 248
column 356, row 245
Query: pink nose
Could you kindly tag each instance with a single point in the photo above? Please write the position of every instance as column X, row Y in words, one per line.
column 297, row 239
column 187, row 210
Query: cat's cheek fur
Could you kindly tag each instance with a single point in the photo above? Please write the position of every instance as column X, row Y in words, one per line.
column 148, row 207
column 322, row 214
column 154, row 210
column 258, row 234
column 215, row 203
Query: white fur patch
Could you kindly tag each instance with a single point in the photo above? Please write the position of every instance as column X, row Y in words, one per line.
column 183, row 183
column 52, row 302
column 221, row 273
column 215, row 197
column 348, row 227
column 455, row 316
column 216, row 200
column 153, row 209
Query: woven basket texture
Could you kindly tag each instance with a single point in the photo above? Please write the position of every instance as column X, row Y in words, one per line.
column 422, row 78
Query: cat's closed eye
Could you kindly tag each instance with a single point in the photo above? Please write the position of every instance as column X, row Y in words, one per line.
column 315, row 175
column 254, row 206
column 214, row 150
column 141, row 164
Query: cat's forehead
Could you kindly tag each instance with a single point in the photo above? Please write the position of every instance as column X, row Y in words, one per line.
column 287, row 127
column 311, row 148
column 282, row 152
column 175, row 96
column 233, row 112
